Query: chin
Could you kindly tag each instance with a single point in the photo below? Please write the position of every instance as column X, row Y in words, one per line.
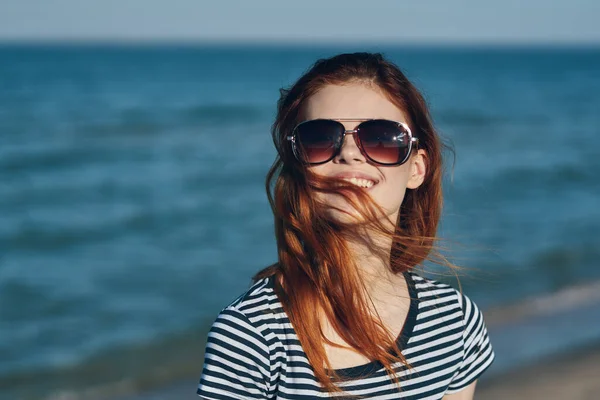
column 347, row 214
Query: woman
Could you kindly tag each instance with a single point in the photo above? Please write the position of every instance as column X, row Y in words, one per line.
column 356, row 193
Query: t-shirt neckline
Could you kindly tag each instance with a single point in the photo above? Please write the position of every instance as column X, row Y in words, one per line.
column 402, row 339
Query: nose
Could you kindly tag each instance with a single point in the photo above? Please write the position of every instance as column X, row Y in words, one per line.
column 349, row 153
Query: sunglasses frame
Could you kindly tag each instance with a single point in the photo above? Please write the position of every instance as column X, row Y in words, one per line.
column 354, row 132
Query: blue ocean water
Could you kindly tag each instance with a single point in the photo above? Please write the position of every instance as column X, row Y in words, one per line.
column 132, row 204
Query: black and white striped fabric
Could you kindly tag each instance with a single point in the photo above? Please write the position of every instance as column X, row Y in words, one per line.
column 254, row 353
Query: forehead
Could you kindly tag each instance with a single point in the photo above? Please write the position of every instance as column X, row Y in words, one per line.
column 355, row 100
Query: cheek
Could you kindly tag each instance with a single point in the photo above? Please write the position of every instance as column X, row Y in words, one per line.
column 319, row 169
column 391, row 193
column 390, row 197
column 328, row 198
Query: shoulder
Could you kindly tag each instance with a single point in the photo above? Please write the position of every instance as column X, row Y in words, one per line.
column 442, row 308
column 258, row 302
column 430, row 291
column 254, row 311
column 238, row 352
column 247, row 321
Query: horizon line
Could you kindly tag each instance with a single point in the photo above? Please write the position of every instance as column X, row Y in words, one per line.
column 344, row 42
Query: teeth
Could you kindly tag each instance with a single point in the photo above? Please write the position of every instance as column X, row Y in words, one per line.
column 364, row 183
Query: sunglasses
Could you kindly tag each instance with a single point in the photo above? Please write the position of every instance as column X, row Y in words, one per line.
column 381, row 141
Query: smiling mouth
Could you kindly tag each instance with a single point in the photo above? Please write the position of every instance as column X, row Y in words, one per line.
column 363, row 183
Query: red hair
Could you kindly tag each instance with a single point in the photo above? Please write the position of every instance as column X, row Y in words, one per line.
column 315, row 270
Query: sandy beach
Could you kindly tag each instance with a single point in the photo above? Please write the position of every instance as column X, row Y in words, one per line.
column 573, row 376
column 535, row 353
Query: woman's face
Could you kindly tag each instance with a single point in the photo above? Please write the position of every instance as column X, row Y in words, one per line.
column 389, row 183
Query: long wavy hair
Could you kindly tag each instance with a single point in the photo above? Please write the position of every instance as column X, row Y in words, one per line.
column 315, row 276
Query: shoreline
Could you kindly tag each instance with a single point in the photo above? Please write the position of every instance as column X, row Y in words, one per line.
column 571, row 374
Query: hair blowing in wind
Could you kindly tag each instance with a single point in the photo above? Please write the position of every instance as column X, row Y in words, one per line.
column 315, row 276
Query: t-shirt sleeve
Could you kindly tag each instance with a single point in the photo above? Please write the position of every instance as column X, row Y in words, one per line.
column 236, row 360
column 478, row 353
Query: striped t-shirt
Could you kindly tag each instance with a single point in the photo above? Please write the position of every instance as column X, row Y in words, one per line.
column 253, row 352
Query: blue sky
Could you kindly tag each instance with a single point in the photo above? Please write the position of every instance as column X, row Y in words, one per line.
column 414, row 21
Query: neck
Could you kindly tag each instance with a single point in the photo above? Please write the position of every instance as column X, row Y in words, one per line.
column 372, row 259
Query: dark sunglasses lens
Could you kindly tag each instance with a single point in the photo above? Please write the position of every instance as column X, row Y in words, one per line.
column 316, row 140
column 384, row 142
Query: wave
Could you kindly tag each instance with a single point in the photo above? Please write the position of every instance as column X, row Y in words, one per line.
column 118, row 371
column 549, row 176
column 482, row 118
column 36, row 237
column 155, row 120
column 567, row 298
column 213, row 114
column 466, row 118
column 27, row 162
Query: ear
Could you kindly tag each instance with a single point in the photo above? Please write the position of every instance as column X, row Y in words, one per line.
column 418, row 167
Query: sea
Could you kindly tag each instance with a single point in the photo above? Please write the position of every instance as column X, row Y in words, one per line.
column 133, row 208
